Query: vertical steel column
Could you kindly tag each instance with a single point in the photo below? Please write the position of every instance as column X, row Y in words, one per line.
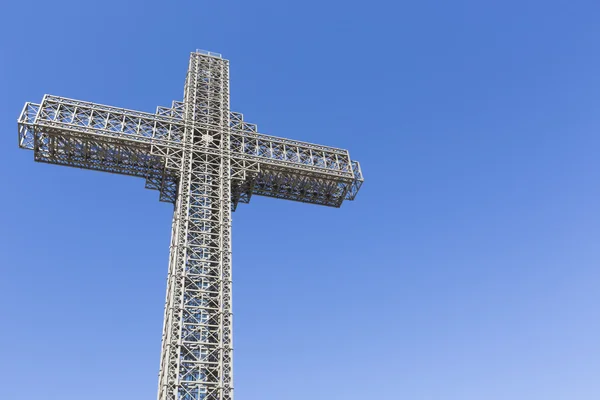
column 196, row 359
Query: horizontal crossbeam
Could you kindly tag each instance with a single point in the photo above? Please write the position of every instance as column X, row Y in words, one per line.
column 94, row 136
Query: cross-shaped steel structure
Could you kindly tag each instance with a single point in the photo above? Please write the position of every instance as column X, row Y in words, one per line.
column 205, row 160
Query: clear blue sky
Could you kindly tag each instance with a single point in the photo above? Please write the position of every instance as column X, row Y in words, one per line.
column 467, row 269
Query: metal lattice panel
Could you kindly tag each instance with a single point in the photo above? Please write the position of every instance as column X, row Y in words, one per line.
column 205, row 160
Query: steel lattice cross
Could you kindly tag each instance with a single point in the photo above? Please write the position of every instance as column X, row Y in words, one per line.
column 205, row 160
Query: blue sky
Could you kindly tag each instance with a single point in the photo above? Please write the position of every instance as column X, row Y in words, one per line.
column 467, row 269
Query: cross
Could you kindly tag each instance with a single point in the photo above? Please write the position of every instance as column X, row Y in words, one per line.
column 205, row 160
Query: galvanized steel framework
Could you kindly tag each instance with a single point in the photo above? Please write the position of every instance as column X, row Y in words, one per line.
column 205, row 160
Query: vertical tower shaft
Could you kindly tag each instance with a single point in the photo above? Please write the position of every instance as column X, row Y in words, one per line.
column 196, row 356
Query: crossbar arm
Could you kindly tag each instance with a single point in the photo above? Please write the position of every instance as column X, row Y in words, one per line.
column 93, row 136
column 293, row 170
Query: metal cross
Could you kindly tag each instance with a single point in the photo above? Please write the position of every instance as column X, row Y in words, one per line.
column 205, row 160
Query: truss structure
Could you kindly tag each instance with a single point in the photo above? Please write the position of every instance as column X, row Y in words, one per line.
column 205, row 160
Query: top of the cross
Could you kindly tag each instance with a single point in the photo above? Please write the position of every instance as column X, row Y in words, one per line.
column 209, row 53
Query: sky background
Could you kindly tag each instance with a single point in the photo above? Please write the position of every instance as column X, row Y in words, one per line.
column 467, row 269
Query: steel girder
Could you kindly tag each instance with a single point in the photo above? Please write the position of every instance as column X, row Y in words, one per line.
column 205, row 160
column 74, row 131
